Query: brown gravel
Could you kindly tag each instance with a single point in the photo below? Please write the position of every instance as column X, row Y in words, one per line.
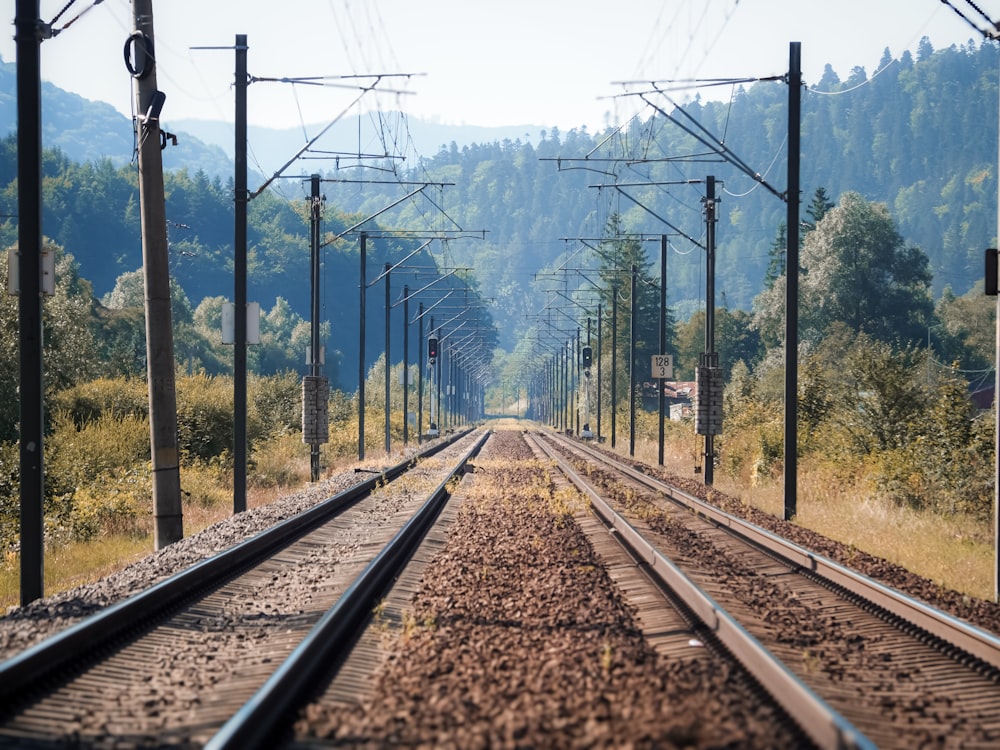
column 519, row 639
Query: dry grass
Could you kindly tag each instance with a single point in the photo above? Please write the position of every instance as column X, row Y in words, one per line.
column 209, row 501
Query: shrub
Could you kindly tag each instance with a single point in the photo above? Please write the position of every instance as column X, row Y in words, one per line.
column 281, row 461
column 274, row 406
column 204, row 417
column 10, row 501
column 77, row 456
column 114, row 397
column 114, row 503
column 206, row 485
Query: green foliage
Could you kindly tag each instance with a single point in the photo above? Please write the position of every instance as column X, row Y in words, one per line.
column 204, row 417
column 110, row 398
column 274, row 405
column 68, row 339
column 867, row 410
column 107, row 445
column 736, row 340
column 753, row 439
column 947, row 465
column 10, row 504
column 115, row 503
column 856, row 270
column 97, row 475
column 966, row 331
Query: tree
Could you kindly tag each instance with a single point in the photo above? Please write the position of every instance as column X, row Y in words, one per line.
column 965, row 331
column 619, row 253
column 817, row 209
column 776, row 256
column 70, row 352
column 856, row 270
column 736, row 341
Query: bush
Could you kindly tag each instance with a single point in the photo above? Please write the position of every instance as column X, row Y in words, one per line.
column 113, row 504
column 10, row 500
column 78, row 456
column 204, row 417
column 281, row 461
column 206, row 485
column 274, row 406
column 114, row 397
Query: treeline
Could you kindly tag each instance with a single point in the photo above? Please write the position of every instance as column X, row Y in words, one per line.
column 91, row 212
column 918, row 134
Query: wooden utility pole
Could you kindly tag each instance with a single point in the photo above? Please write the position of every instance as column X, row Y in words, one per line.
column 167, row 515
column 28, row 35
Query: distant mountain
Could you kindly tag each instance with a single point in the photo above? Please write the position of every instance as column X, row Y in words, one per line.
column 89, row 131
column 271, row 148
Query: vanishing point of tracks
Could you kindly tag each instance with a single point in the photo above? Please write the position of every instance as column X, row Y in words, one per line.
column 519, row 622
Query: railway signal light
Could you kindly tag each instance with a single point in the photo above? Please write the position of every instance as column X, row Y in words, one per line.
column 588, row 355
column 432, row 349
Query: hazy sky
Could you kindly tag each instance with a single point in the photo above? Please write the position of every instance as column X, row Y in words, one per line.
column 481, row 62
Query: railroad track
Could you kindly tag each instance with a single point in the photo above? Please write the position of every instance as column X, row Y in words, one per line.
column 203, row 653
column 862, row 664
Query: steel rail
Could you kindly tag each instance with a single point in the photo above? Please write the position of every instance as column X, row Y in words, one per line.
column 260, row 719
column 35, row 664
column 825, row 726
column 972, row 640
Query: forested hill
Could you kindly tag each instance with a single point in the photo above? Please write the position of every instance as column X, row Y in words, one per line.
column 920, row 135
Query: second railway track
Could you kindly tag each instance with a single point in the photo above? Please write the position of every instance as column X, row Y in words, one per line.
column 904, row 674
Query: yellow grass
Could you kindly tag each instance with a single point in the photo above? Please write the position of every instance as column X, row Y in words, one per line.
column 75, row 563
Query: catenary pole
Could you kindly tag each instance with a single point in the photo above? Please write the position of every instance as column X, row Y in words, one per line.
column 315, row 348
column 406, row 363
column 996, row 412
column 28, row 37
column 614, row 364
column 388, row 368
column 420, row 373
column 711, row 360
column 168, row 526
column 361, row 348
column 792, row 281
column 663, row 341
column 599, row 383
column 633, row 335
column 240, row 199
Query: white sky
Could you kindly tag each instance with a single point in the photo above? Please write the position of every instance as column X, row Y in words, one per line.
column 496, row 62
